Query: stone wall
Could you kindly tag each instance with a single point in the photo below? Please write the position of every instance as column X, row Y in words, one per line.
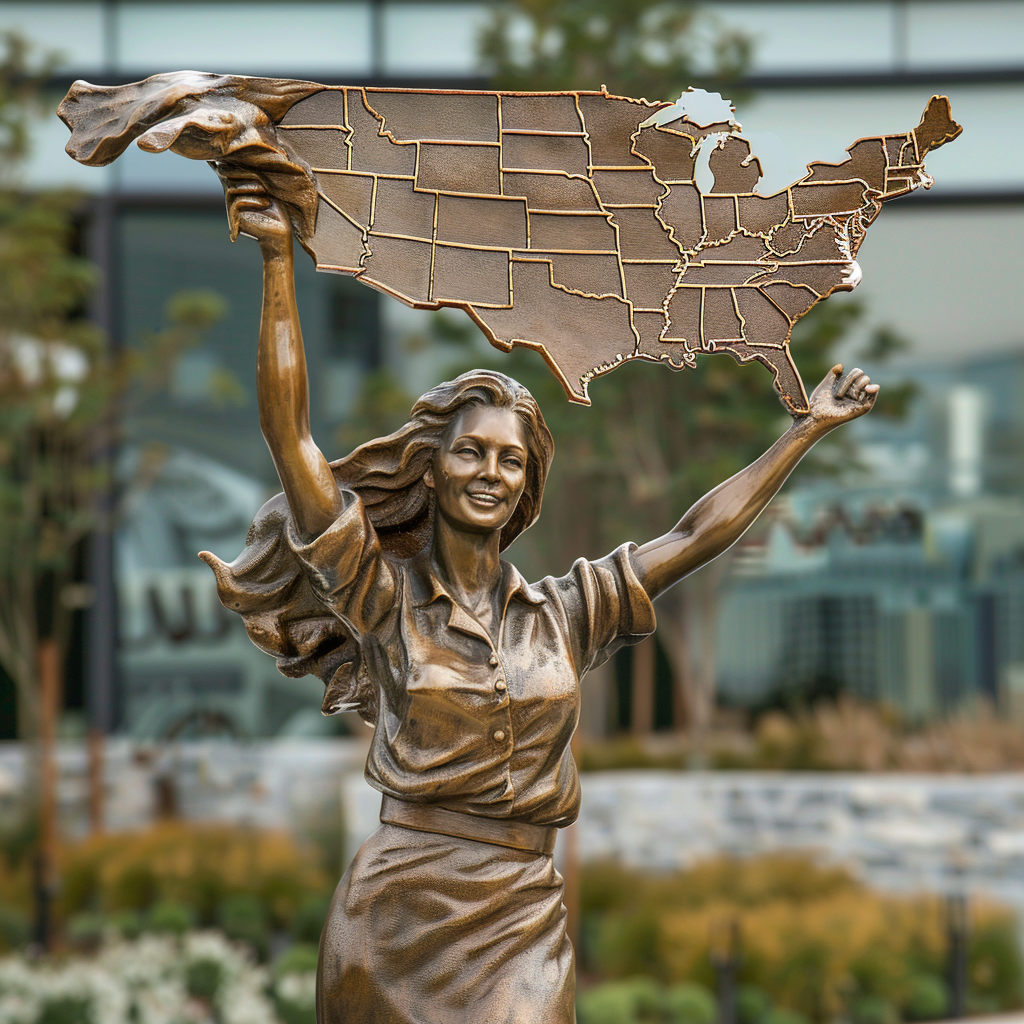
column 937, row 833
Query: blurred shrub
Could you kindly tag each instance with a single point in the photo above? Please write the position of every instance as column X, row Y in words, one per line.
column 171, row 918
column 66, row 1010
column 752, row 1004
column 621, row 1002
column 871, row 1009
column 308, row 920
column 85, row 931
column 832, row 735
column 243, row 918
column 295, row 998
column 994, row 966
column 781, row 1016
column 927, row 998
column 203, row 978
column 198, row 866
column 15, row 928
column 815, row 941
column 295, row 984
column 300, row 959
column 688, row 1003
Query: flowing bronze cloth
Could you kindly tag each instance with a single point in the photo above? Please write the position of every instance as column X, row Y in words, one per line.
column 432, row 929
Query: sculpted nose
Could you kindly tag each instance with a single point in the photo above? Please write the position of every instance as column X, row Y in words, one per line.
column 489, row 468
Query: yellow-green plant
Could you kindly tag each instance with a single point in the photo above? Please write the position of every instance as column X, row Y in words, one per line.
column 814, row 938
column 198, row 866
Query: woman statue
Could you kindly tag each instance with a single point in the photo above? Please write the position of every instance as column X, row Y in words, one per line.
column 381, row 573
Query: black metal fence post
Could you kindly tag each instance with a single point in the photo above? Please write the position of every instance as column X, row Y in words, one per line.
column 726, row 960
column 956, row 938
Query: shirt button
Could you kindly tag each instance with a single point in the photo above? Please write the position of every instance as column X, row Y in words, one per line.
column 492, row 660
column 500, row 685
column 499, row 736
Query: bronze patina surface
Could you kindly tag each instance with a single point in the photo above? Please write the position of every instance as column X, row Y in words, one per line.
column 571, row 223
column 381, row 573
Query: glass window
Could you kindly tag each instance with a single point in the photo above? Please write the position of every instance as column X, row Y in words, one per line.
column 248, row 38
column 428, row 38
column 196, row 469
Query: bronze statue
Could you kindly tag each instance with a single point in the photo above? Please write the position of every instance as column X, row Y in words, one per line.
column 381, row 573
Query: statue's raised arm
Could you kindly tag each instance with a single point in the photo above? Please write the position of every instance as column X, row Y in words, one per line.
column 721, row 517
column 282, row 383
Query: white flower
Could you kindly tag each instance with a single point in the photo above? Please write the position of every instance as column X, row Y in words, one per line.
column 298, row 988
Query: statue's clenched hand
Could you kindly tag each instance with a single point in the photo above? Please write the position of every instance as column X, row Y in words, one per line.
column 252, row 212
column 840, row 397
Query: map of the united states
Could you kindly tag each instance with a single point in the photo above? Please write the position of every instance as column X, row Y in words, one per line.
column 566, row 223
column 570, row 223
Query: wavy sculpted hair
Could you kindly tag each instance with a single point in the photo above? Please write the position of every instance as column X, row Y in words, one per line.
column 387, row 473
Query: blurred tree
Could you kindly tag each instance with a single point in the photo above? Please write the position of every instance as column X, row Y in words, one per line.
column 634, row 47
column 61, row 392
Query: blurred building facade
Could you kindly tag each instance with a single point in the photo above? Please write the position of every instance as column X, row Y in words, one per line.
column 885, row 590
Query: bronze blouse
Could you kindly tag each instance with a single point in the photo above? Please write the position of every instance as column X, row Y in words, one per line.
column 471, row 722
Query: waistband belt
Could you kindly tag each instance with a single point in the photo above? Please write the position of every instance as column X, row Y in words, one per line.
column 517, row 835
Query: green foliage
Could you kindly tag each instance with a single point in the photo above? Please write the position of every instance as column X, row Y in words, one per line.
column 66, row 1010
column 203, row 978
column 300, row 959
column 172, row 918
column 244, row 918
column 642, row 48
column 872, row 1009
column 15, row 928
column 85, row 931
column 752, row 1004
column 781, row 1016
column 688, row 1003
column 640, row 1000
column 927, row 998
column 995, row 967
column 308, row 921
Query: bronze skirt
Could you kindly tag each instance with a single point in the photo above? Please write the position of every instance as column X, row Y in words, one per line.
column 431, row 929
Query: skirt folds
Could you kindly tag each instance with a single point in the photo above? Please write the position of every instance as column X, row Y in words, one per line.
column 430, row 929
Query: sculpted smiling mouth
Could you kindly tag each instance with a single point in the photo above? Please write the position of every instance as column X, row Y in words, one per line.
column 484, row 497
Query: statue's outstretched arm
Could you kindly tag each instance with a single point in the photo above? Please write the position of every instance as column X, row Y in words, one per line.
column 282, row 383
column 720, row 518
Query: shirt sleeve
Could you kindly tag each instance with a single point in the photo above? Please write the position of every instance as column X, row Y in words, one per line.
column 605, row 607
column 308, row 604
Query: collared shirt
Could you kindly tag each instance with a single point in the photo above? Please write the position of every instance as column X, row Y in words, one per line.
column 472, row 722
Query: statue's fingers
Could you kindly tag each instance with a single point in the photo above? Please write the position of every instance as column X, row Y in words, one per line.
column 858, row 386
column 848, row 381
column 255, row 203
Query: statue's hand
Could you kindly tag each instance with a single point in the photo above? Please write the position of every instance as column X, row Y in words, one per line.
column 252, row 212
column 840, row 398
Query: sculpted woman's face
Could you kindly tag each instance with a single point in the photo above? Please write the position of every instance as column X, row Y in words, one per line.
column 479, row 472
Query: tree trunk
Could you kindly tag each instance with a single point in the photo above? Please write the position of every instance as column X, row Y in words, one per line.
column 643, row 687
column 688, row 626
column 674, row 634
column 46, row 865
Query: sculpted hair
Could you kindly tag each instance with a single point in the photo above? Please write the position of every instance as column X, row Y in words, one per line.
column 387, row 473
